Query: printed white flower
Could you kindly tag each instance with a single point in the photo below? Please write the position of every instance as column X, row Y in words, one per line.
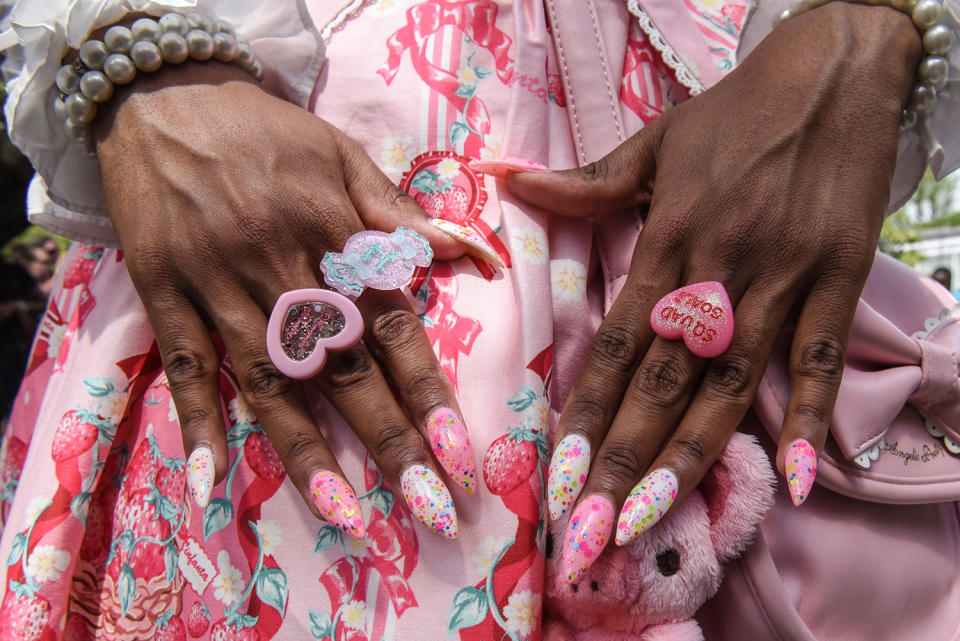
column 488, row 550
column 354, row 615
column 522, row 613
column 466, row 76
column 35, row 508
column 537, row 415
column 396, row 154
column 270, row 536
column 172, row 415
column 386, row 7
column 353, row 546
column 113, row 406
column 531, row 243
column 493, row 147
column 240, row 412
column 568, row 279
column 228, row 586
column 46, row 563
column 448, row 168
column 55, row 340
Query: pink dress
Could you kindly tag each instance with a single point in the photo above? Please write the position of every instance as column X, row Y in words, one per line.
column 98, row 539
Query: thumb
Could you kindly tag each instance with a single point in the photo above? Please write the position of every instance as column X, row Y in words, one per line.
column 622, row 178
column 384, row 206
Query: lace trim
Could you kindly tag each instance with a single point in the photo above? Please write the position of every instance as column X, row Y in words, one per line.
column 685, row 76
column 931, row 324
column 347, row 13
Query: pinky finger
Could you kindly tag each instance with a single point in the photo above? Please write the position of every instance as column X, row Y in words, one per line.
column 192, row 367
column 816, row 366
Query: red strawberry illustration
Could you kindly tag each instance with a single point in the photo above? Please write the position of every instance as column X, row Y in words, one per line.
column 96, row 536
column 169, row 630
column 433, row 203
column 455, row 205
column 223, row 631
column 510, row 460
column 198, row 621
column 555, row 89
column 74, row 436
column 76, row 629
column 23, row 617
column 734, row 13
column 262, row 458
column 16, row 453
column 81, row 269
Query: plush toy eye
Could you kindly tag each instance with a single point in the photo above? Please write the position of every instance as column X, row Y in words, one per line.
column 668, row 562
column 548, row 546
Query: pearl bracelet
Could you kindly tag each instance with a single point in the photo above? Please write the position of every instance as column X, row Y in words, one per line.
column 144, row 46
column 933, row 72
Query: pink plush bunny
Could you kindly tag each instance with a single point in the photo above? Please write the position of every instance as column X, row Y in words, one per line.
column 650, row 589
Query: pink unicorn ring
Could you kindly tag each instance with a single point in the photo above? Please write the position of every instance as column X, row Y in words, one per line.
column 700, row 314
column 305, row 324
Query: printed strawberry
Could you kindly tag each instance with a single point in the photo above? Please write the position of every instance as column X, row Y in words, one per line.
column 76, row 629
column 223, row 631
column 15, row 453
column 432, row 203
column 733, row 13
column 262, row 458
column 96, row 536
column 74, row 436
column 510, row 460
column 555, row 89
column 169, row 629
column 23, row 617
column 137, row 514
column 81, row 269
column 198, row 621
column 455, row 205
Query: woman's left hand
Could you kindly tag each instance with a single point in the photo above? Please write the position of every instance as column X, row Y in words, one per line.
column 774, row 183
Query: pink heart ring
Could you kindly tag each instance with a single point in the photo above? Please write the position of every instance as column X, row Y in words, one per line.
column 701, row 314
column 304, row 324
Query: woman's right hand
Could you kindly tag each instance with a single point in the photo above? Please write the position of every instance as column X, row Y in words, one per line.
column 224, row 197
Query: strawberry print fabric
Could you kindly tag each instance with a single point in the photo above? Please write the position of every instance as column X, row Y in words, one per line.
column 99, row 540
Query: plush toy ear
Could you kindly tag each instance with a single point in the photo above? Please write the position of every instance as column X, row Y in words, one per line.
column 738, row 490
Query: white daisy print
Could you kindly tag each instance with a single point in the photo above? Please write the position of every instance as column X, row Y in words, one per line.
column 46, row 563
column 228, row 586
column 522, row 613
column 240, row 412
column 530, row 244
column 396, row 154
column 568, row 279
column 270, row 536
column 354, row 615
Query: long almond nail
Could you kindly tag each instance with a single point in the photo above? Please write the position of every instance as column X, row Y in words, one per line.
column 587, row 534
column 451, row 445
column 200, row 473
column 801, row 465
column 500, row 167
column 476, row 244
column 429, row 500
column 568, row 473
column 646, row 504
column 337, row 502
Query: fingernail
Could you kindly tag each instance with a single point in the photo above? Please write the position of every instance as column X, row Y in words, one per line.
column 801, row 464
column 476, row 244
column 200, row 472
column 500, row 167
column 451, row 445
column 646, row 504
column 568, row 473
column 337, row 502
column 429, row 500
column 587, row 534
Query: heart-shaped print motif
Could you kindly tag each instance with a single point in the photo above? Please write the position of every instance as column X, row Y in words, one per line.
column 701, row 314
column 304, row 324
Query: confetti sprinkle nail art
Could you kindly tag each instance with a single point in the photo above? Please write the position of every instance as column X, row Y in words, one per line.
column 568, row 473
column 200, row 473
column 646, row 504
column 801, row 466
column 429, row 500
column 587, row 534
column 337, row 502
column 451, row 445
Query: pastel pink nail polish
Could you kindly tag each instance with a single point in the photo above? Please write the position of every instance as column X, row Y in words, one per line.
column 701, row 314
column 587, row 534
column 646, row 504
column 801, row 467
column 500, row 167
column 451, row 445
column 568, row 472
column 201, row 469
column 429, row 500
column 337, row 502
column 476, row 245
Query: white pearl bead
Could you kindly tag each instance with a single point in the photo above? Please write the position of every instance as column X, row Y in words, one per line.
column 146, row 29
column 173, row 47
column 782, row 17
column 199, row 44
column 59, row 109
column 903, row 5
column 93, row 53
column 938, row 39
column 933, row 70
column 146, row 56
column 118, row 39
column 927, row 13
column 245, row 56
column 197, row 20
column 908, row 118
column 922, row 98
column 78, row 131
column 799, row 6
column 223, row 26
column 68, row 80
column 80, row 108
column 174, row 22
column 96, row 86
column 119, row 68
column 224, row 47
column 256, row 70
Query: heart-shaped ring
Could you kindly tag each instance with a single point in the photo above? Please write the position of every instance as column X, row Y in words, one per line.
column 304, row 324
column 701, row 314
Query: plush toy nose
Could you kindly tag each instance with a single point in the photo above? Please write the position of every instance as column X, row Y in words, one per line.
column 594, row 586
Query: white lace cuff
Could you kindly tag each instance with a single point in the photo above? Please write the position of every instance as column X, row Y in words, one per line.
column 34, row 37
column 933, row 142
